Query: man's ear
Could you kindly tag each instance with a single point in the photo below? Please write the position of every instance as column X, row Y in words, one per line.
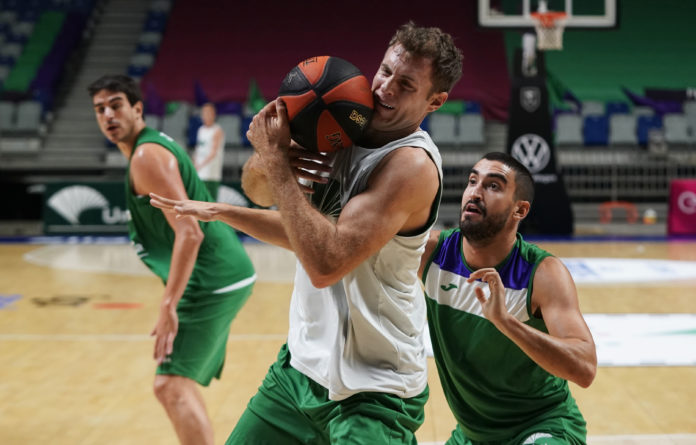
column 521, row 210
column 138, row 107
column 437, row 100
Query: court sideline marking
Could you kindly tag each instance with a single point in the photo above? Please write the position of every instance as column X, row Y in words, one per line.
column 122, row 337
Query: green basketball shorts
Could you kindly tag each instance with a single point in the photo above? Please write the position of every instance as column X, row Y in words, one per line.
column 290, row 408
column 201, row 341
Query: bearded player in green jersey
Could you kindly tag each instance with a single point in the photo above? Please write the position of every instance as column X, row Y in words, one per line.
column 207, row 274
column 506, row 327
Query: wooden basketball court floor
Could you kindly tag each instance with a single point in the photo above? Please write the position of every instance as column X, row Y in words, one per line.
column 76, row 366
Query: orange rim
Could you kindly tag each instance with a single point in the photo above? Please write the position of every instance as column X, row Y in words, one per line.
column 548, row 19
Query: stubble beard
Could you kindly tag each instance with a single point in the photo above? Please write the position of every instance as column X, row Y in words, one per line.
column 479, row 232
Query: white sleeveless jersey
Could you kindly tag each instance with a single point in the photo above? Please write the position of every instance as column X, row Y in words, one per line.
column 365, row 333
column 204, row 145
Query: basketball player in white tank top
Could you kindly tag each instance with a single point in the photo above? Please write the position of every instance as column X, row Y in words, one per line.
column 354, row 370
column 210, row 150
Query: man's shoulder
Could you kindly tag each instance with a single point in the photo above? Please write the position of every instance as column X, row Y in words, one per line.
column 150, row 135
column 531, row 251
column 151, row 155
column 419, row 145
column 411, row 164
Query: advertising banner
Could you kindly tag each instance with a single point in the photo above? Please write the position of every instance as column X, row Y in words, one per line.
column 530, row 141
column 75, row 208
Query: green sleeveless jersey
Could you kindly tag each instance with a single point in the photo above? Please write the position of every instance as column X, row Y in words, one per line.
column 494, row 389
column 222, row 264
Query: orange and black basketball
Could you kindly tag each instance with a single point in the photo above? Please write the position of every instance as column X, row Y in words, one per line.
column 329, row 103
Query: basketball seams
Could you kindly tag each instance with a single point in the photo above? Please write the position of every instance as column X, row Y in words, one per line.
column 314, row 71
column 329, row 103
column 296, row 103
column 345, row 91
column 333, row 67
column 328, row 126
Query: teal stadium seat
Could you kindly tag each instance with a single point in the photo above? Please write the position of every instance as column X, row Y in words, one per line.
column 676, row 128
column 471, row 129
column 569, row 129
column 443, row 128
column 28, row 117
column 7, row 115
column 622, row 129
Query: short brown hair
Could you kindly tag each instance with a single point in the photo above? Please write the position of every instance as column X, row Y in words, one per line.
column 117, row 83
column 436, row 45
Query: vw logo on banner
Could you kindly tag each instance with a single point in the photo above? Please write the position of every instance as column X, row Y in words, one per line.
column 532, row 151
column 530, row 98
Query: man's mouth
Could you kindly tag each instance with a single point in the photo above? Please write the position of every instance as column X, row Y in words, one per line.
column 111, row 127
column 381, row 103
column 473, row 209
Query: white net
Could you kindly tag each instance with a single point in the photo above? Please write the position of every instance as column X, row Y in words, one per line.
column 549, row 30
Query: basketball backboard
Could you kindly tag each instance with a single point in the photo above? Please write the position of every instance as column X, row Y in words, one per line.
column 517, row 13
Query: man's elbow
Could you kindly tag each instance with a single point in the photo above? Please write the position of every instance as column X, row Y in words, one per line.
column 192, row 235
column 587, row 374
column 258, row 191
column 325, row 276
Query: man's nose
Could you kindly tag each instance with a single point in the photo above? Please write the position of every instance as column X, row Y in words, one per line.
column 108, row 112
column 475, row 192
column 387, row 86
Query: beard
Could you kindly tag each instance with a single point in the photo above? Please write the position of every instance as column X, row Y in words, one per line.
column 488, row 227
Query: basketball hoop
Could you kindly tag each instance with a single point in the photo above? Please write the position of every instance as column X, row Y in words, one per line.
column 549, row 29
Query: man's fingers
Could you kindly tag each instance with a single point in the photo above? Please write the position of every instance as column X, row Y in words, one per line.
column 482, row 274
column 270, row 107
column 307, row 189
column 480, row 295
column 157, row 355
column 309, row 165
column 170, row 343
column 281, row 111
column 162, row 199
column 304, row 174
column 160, row 205
column 298, row 151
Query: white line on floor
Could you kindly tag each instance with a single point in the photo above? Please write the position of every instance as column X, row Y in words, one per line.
column 122, row 337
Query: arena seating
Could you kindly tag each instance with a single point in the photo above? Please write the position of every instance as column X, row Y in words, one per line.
column 38, row 36
column 149, row 41
column 620, row 124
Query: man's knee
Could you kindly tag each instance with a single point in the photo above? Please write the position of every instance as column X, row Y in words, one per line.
column 170, row 389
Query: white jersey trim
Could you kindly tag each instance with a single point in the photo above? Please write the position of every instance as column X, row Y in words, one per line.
column 462, row 296
column 238, row 285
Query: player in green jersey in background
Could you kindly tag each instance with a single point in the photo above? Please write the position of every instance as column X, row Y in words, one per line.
column 506, row 327
column 207, row 274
